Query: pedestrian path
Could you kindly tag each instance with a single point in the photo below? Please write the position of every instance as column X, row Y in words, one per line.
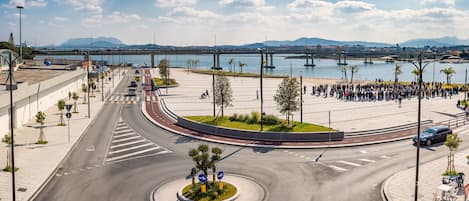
column 124, row 99
column 127, row 144
column 341, row 165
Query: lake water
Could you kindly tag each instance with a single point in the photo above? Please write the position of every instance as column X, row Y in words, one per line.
column 325, row 68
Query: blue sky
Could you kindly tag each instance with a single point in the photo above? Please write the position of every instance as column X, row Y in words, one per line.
column 197, row 22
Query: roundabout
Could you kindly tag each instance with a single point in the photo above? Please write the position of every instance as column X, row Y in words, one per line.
column 247, row 189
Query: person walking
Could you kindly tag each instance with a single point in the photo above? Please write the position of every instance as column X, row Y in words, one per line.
column 257, row 94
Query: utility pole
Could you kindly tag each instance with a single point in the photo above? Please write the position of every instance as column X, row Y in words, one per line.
column 213, row 89
column 262, row 95
column 12, row 142
column 465, row 87
column 87, row 59
column 21, row 43
column 301, row 98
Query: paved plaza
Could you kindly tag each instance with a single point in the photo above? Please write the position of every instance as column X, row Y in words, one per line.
column 346, row 116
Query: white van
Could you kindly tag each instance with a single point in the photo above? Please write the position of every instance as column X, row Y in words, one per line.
column 132, row 91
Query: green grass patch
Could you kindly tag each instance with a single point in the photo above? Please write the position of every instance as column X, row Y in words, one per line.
column 212, row 194
column 236, row 74
column 450, row 173
column 9, row 169
column 61, row 124
column 280, row 127
column 42, row 142
column 160, row 82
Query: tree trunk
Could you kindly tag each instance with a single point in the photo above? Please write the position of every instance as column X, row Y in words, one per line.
column 41, row 134
column 75, row 109
column 447, row 79
column 8, row 156
column 61, row 117
column 351, row 78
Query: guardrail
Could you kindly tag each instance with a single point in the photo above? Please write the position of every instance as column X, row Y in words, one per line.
column 456, row 122
column 386, row 130
column 261, row 136
column 167, row 111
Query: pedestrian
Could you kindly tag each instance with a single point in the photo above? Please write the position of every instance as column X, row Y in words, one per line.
column 206, row 92
column 304, row 89
column 257, row 94
column 69, row 95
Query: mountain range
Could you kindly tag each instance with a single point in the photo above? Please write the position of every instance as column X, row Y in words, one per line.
column 110, row 42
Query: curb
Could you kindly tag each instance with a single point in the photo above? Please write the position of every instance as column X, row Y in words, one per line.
column 49, row 178
column 384, row 189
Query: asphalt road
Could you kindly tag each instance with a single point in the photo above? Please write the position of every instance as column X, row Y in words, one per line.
column 152, row 156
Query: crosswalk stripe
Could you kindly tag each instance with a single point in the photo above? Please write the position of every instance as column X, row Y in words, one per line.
column 132, row 154
column 124, row 135
column 366, row 160
column 125, row 139
column 131, row 148
column 126, row 144
column 349, row 163
column 337, row 168
column 123, row 131
column 119, row 126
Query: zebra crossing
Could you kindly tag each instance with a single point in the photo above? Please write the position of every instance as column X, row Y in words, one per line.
column 126, row 144
column 343, row 165
column 123, row 99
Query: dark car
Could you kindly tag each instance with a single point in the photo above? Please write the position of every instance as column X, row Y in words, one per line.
column 433, row 134
column 137, row 72
column 133, row 84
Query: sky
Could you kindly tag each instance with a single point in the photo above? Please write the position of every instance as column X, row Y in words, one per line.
column 206, row 22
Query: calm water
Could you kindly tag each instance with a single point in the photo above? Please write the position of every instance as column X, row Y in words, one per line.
column 325, row 68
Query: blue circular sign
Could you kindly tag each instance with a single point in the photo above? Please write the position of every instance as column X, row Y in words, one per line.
column 220, row 175
column 202, row 178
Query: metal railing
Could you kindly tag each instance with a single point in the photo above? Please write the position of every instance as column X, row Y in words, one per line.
column 381, row 131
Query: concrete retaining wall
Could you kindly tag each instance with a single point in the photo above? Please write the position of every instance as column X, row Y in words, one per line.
column 27, row 100
column 261, row 136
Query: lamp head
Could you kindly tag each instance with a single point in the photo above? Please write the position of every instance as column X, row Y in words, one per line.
column 20, row 7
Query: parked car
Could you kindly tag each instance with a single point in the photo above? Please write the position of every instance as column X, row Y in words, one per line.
column 133, row 84
column 137, row 72
column 433, row 134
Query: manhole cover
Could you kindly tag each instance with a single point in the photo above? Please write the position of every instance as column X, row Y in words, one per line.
column 21, row 189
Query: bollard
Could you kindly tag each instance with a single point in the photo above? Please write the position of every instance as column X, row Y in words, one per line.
column 220, row 185
column 203, row 188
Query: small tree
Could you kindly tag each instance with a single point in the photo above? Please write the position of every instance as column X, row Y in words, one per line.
column 7, row 140
column 449, row 72
column 164, row 70
column 84, row 89
column 397, row 72
column 286, row 97
column 416, row 73
column 223, row 93
column 75, row 97
column 353, row 69
column 204, row 160
column 241, row 66
column 40, row 118
column 343, row 69
column 452, row 142
column 61, row 107
column 231, row 62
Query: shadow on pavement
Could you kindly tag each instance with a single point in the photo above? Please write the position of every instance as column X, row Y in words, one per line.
column 262, row 150
column 182, row 139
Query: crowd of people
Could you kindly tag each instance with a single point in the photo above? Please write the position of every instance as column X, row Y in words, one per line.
column 382, row 92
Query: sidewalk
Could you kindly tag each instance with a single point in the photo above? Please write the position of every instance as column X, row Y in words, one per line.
column 36, row 163
column 400, row 187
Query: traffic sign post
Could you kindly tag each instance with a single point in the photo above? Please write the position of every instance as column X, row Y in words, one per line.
column 193, row 173
column 203, row 180
column 69, row 116
column 220, row 175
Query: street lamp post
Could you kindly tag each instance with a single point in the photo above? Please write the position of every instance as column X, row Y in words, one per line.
column 12, row 86
column 420, row 68
column 301, row 98
column 87, row 60
column 21, row 43
column 262, row 94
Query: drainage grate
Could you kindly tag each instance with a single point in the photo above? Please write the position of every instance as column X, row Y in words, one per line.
column 21, row 189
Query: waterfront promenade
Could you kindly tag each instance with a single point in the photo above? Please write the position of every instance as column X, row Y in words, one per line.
column 346, row 116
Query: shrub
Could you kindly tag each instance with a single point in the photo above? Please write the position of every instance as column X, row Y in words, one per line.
column 254, row 118
column 243, row 117
column 270, row 119
column 233, row 117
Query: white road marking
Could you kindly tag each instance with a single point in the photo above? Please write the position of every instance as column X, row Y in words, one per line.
column 337, row 168
column 131, row 148
column 124, row 135
column 363, row 151
column 126, row 139
column 125, row 144
column 123, row 131
column 132, row 154
column 366, row 160
column 90, row 148
column 385, row 156
column 302, row 156
column 350, row 163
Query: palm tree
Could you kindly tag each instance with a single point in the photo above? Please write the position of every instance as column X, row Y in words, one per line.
column 203, row 160
column 75, row 97
column 344, row 70
column 353, row 69
column 241, row 65
column 40, row 118
column 61, row 107
column 196, row 62
column 452, row 142
column 231, row 62
column 397, row 72
column 189, row 64
column 416, row 73
column 449, row 73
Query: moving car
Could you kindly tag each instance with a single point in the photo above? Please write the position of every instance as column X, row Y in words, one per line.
column 132, row 91
column 433, row 134
column 133, row 84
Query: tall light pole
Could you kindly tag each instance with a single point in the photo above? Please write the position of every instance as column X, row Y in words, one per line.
column 12, row 86
column 262, row 95
column 301, row 98
column 87, row 60
column 420, row 68
column 21, row 43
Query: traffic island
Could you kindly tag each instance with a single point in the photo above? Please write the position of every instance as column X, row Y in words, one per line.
column 213, row 191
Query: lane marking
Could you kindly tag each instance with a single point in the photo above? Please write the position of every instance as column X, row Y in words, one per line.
column 385, row 157
column 125, row 144
column 131, row 148
column 350, row 163
column 337, row 168
column 366, row 160
column 124, row 135
column 126, row 139
column 132, row 154
column 363, row 151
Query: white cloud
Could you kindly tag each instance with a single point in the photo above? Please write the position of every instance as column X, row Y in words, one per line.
column 445, row 2
column 174, row 3
column 242, row 3
column 93, row 6
column 60, row 19
column 25, row 4
column 192, row 13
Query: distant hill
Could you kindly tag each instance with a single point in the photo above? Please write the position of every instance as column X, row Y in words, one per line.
column 325, row 42
column 437, row 42
column 100, row 42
